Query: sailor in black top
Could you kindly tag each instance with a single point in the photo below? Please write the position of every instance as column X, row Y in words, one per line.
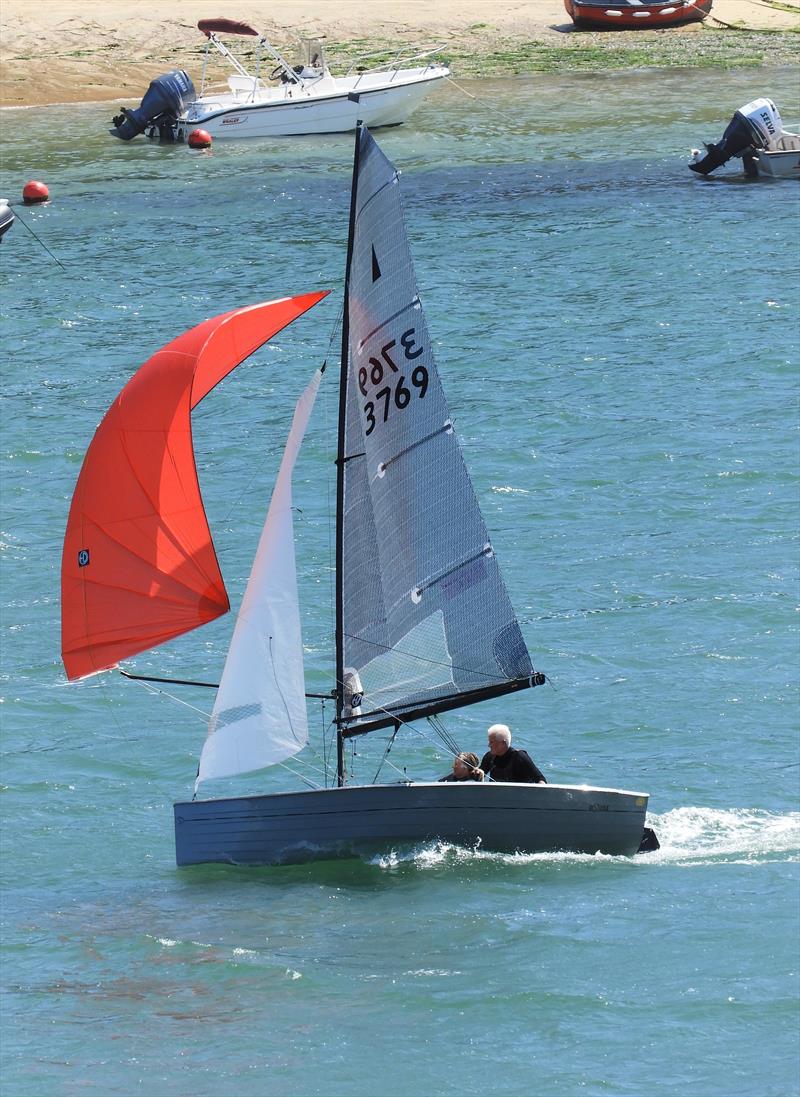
column 502, row 762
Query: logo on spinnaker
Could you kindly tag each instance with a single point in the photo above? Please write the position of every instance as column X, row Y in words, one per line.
column 83, row 558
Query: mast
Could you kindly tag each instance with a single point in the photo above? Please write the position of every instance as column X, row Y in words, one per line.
column 340, row 461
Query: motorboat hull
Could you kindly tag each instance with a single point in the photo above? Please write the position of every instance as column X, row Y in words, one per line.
column 6, row 217
column 294, row 827
column 635, row 14
column 335, row 112
column 778, row 164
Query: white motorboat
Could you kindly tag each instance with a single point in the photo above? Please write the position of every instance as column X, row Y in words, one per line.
column 757, row 136
column 6, row 217
column 424, row 623
column 288, row 101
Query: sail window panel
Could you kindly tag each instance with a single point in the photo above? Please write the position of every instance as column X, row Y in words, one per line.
column 415, row 546
column 420, row 664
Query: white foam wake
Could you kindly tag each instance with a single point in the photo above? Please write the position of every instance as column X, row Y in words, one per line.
column 688, row 835
column 700, row 834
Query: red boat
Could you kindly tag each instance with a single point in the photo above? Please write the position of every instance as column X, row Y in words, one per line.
column 633, row 14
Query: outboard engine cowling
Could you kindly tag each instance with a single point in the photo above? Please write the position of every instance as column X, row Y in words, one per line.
column 754, row 125
column 167, row 98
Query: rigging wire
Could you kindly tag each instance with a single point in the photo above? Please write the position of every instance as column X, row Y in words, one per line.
column 449, row 741
column 445, row 737
column 389, row 745
column 401, row 772
column 207, row 716
column 325, row 742
column 301, row 777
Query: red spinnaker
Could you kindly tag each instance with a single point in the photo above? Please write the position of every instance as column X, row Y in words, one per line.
column 139, row 566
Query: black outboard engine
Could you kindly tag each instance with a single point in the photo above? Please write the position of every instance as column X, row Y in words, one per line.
column 165, row 99
column 754, row 125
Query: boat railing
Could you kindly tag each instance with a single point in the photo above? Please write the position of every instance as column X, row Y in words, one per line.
column 295, row 75
column 262, row 44
column 395, row 65
column 212, row 40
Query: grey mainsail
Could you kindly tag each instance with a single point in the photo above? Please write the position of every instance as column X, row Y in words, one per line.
column 425, row 620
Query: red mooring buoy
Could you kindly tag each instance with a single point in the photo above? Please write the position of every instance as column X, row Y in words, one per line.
column 34, row 192
column 199, row 139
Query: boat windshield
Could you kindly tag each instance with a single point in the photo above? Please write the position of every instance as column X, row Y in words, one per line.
column 313, row 55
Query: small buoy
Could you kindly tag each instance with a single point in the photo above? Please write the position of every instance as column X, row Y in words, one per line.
column 199, row 139
column 34, row 192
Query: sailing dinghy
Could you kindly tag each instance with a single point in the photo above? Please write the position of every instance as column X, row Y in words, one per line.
column 423, row 620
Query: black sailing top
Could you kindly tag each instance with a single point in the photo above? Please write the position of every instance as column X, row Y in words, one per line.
column 514, row 765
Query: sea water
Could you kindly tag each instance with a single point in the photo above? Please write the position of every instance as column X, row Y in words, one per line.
column 619, row 344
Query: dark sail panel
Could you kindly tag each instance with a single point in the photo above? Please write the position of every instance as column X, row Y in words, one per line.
column 425, row 616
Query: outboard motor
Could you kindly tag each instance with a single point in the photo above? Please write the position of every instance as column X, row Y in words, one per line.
column 165, row 99
column 754, row 125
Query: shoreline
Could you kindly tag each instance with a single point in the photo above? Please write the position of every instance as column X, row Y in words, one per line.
column 95, row 51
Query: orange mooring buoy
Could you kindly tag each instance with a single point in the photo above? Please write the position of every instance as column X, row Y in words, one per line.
column 199, row 139
column 34, row 192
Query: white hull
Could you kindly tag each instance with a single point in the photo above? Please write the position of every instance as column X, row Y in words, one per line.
column 288, row 828
column 6, row 217
column 779, row 165
column 288, row 112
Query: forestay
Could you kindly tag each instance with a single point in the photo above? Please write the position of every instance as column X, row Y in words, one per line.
column 425, row 618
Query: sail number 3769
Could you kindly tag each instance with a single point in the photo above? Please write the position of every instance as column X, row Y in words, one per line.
column 395, row 393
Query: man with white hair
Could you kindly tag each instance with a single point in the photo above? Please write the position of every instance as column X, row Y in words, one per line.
column 502, row 762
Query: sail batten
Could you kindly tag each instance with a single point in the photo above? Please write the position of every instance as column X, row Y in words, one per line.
column 385, row 323
column 425, row 620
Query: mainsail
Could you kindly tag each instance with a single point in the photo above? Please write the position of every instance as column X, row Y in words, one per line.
column 138, row 565
column 425, row 620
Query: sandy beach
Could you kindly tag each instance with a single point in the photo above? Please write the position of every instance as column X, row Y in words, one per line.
column 62, row 51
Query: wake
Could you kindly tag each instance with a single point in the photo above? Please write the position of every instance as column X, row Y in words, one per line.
column 702, row 835
column 690, row 836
